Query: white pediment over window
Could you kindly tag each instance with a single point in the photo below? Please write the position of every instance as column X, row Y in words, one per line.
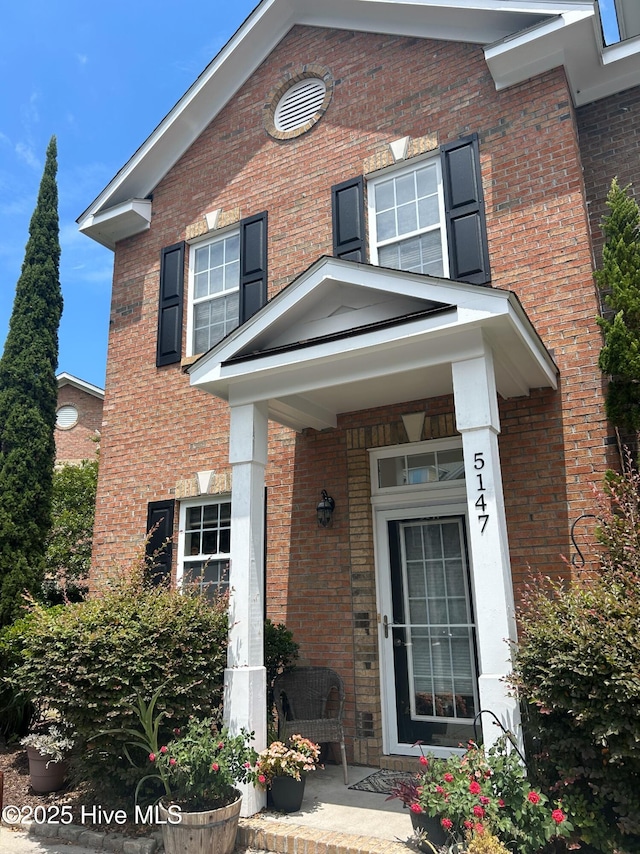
column 346, row 336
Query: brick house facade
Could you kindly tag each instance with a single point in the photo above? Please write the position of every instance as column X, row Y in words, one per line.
column 78, row 421
column 308, row 393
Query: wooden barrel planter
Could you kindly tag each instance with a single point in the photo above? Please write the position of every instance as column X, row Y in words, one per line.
column 208, row 832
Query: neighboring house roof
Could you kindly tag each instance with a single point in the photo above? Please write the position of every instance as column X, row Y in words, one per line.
column 346, row 335
column 522, row 38
column 68, row 379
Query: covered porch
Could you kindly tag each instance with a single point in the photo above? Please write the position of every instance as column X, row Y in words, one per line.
column 347, row 337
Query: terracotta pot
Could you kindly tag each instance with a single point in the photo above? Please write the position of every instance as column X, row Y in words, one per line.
column 287, row 793
column 45, row 775
column 207, row 832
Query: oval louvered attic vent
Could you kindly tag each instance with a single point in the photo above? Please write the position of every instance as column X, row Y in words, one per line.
column 66, row 417
column 299, row 104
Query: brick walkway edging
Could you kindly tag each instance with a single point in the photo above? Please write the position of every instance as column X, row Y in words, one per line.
column 254, row 833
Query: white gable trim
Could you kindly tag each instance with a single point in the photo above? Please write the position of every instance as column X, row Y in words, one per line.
column 407, row 357
column 554, row 32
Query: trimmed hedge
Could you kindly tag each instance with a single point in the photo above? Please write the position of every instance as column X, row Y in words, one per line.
column 90, row 661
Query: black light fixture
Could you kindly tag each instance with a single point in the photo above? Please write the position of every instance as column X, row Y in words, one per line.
column 325, row 510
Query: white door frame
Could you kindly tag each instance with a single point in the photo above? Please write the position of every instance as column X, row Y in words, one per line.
column 404, row 503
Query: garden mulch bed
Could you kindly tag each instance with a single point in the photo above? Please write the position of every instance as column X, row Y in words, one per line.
column 17, row 792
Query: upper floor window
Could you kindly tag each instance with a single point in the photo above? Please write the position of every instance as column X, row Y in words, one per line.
column 406, row 219
column 214, row 282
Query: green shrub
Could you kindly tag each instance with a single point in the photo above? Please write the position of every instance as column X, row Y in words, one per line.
column 577, row 666
column 90, row 661
column 280, row 653
column 16, row 710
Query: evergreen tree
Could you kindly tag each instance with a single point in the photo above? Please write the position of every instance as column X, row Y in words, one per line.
column 28, row 398
column 619, row 281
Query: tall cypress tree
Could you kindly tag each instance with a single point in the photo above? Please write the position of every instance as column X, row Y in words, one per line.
column 28, row 398
column 619, row 280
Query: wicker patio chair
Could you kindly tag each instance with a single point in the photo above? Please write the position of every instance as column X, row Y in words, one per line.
column 310, row 702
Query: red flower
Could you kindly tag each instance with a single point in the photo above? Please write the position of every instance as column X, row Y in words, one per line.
column 415, row 808
column 479, row 828
column 424, row 760
column 478, row 812
column 468, row 824
column 485, row 800
column 215, row 766
column 220, row 745
column 446, row 823
column 163, row 749
column 440, row 790
column 501, row 803
column 448, row 778
column 262, row 778
column 474, row 787
column 172, row 761
column 533, row 798
column 558, row 816
column 176, row 731
column 152, row 757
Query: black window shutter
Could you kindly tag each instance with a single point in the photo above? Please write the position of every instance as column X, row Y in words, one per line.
column 464, row 210
column 170, row 308
column 347, row 208
column 253, row 265
column 159, row 548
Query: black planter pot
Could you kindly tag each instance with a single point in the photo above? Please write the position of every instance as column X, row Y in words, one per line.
column 287, row 793
column 429, row 825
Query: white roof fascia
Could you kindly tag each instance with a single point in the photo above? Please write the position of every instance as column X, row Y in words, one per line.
column 113, row 224
column 68, row 379
column 476, row 21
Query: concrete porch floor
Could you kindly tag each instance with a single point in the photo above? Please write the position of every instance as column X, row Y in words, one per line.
column 333, row 820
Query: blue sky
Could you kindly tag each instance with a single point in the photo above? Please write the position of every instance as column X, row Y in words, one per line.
column 100, row 76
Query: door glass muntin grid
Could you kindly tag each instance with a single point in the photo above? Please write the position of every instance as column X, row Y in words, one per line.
column 441, row 638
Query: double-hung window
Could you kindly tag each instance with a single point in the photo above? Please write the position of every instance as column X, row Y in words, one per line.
column 406, row 219
column 205, row 544
column 214, row 284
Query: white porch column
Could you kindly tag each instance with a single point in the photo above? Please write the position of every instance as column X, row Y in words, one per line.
column 477, row 420
column 245, row 684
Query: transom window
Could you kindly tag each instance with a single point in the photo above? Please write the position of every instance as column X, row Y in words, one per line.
column 205, row 544
column 421, row 468
column 214, row 291
column 406, row 219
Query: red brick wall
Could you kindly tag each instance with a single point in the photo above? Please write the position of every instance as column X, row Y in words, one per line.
column 77, row 443
column 158, row 430
column 610, row 145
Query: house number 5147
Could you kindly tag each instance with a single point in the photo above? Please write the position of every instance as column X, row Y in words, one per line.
column 481, row 504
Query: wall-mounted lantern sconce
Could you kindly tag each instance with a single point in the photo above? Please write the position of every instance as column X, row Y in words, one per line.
column 325, row 510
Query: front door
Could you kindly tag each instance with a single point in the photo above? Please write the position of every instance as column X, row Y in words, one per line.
column 431, row 632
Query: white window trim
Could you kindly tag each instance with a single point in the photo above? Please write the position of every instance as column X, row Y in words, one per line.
column 395, row 496
column 184, row 505
column 193, row 246
column 396, row 171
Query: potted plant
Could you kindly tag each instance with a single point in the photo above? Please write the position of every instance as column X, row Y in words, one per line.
column 200, row 769
column 480, row 793
column 282, row 768
column 47, row 749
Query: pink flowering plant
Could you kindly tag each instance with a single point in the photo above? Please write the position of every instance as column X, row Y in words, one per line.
column 201, row 766
column 482, row 792
column 297, row 757
column 198, row 768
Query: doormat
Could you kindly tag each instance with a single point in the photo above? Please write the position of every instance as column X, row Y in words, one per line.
column 383, row 781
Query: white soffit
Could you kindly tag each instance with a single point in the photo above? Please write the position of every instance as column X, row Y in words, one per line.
column 475, row 21
column 360, row 365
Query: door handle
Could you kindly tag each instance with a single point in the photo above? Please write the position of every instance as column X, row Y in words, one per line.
column 385, row 625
